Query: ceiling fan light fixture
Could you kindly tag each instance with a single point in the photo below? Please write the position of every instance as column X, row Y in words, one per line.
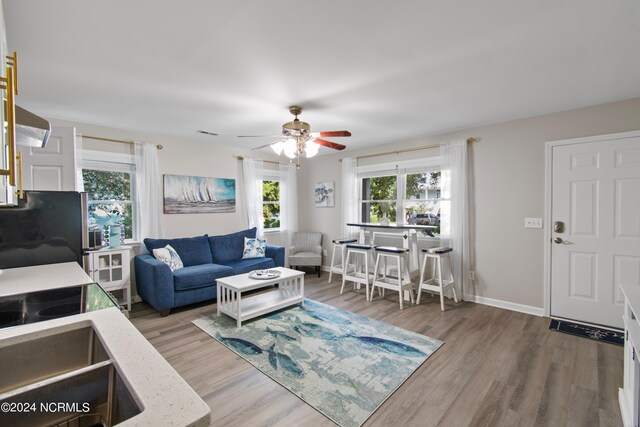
column 290, row 148
column 278, row 147
column 311, row 149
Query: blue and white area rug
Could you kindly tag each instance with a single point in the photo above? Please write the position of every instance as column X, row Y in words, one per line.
column 342, row 364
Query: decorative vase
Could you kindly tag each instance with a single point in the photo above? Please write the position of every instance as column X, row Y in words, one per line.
column 384, row 220
column 116, row 234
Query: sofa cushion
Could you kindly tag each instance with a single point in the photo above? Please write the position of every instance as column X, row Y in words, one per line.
column 192, row 250
column 198, row 276
column 230, row 246
column 242, row 266
column 305, row 258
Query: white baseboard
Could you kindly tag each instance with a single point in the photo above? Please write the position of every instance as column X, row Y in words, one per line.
column 513, row 306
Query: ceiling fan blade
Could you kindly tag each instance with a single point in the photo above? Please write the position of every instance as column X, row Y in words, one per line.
column 333, row 133
column 329, row 144
column 258, row 136
column 264, row 146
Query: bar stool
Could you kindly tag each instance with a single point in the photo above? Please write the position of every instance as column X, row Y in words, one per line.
column 402, row 282
column 437, row 284
column 357, row 276
column 341, row 244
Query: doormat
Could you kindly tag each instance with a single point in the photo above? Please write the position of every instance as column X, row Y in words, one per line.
column 342, row 364
column 595, row 333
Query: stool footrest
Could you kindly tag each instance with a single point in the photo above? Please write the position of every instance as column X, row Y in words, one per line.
column 435, row 282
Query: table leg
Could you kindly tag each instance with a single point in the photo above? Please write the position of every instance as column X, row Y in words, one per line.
column 238, row 300
column 218, row 291
column 302, row 290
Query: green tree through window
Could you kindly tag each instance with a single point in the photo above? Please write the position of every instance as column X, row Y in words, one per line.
column 271, row 204
column 110, row 199
column 420, row 204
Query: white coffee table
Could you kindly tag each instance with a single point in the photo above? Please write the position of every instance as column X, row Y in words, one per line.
column 230, row 302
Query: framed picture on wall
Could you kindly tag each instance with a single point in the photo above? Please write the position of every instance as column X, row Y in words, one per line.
column 198, row 194
column 325, row 194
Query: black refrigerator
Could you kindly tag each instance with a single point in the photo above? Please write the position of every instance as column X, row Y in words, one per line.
column 46, row 227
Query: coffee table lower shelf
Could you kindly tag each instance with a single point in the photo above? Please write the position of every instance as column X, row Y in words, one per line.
column 231, row 302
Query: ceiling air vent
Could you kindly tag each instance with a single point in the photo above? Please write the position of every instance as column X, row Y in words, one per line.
column 206, row 132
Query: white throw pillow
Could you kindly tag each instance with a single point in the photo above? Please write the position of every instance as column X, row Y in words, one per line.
column 254, row 248
column 169, row 256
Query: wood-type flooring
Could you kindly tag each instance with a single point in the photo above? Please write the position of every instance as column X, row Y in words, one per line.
column 496, row 368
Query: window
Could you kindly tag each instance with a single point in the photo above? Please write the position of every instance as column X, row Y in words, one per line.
column 109, row 180
column 410, row 196
column 422, row 199
column 379, row 196
column 271, row 204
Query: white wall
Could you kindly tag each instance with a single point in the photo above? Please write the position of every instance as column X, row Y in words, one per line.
column 206, row 158
column 508, row 164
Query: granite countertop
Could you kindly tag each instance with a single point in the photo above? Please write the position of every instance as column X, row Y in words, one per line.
column 164, row 396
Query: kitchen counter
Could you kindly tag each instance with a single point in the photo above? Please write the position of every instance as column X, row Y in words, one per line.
column 163, row 396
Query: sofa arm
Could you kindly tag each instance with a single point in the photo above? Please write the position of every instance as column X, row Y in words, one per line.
column 276, row 253
column 154, row 281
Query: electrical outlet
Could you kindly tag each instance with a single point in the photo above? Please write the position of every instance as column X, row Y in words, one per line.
column 533, row 223
column 324, row 252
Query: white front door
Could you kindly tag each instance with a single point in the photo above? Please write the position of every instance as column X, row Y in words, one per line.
column 52, row 168
column 595, row 186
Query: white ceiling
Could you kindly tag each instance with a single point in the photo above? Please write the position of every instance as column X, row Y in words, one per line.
column 386, row 71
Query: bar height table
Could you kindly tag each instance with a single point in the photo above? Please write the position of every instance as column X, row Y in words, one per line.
column 409, row 234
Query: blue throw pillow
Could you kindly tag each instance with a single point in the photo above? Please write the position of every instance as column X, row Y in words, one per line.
column 192, row 250
column 254, row 248
column 230, row 247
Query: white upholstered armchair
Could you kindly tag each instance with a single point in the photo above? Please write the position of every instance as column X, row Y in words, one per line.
column 306, row 250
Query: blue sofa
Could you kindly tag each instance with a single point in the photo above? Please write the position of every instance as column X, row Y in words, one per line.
column 206, row 259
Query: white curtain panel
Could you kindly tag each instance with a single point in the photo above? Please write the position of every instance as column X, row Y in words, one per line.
column 455, row 210
column 288, row 206
column 79, row 161
column 350, row 207
column 252, row 174
column 148, row 188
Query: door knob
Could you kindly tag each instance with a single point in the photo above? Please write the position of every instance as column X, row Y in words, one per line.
column 558, row 240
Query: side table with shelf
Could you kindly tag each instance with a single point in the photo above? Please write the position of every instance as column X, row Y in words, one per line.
column 110, row 268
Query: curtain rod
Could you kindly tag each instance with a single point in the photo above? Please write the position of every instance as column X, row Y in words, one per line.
column 121, row 141
column 407, row 150
column 266, row 161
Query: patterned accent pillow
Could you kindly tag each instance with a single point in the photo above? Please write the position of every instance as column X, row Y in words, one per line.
column 254, row 248
column 169, row 256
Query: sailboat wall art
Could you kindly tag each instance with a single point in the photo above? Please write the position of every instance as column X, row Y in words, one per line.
column 198, row 194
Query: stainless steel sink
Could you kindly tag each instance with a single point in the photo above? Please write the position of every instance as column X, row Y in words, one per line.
column 66, row 378
column 37, row 359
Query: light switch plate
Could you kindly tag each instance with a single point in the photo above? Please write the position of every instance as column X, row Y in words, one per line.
column 533, row 223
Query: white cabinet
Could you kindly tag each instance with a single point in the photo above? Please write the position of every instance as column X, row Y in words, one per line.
column 110, row 267
column 629, row 396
